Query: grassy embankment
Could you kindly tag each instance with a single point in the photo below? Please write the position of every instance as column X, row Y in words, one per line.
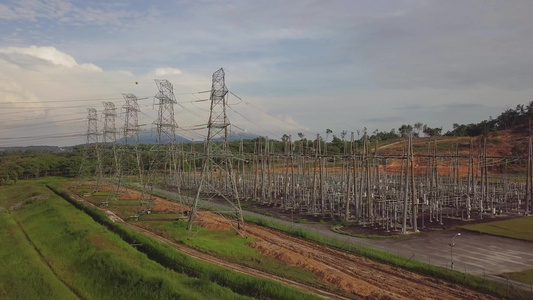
column 171, row 258
column 23, row 274
column 82, row 259
column 519, row 228
column 224, row 243
column 228, row 244
column 70, row 256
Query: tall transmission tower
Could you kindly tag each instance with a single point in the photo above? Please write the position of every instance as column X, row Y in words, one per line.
column 164, row 159
column 91, row 146
column 109, row 138
column 166, row 125
column 217, row 155
column 131, row 119
column 109, row 131
column 131, row 130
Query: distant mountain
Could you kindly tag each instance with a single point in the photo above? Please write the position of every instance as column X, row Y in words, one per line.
column 149, row 138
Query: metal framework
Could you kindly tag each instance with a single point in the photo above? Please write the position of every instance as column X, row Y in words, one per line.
column 130, row 110
column 131, row 131
column 164, row 161
column 165, row 123
column 91, row 147
column 217, row 155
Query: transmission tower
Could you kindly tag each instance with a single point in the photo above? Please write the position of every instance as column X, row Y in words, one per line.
column 109, row 134
column 131, row 131
column 217, row 155
column 110, row 157
column 91, row 146
column 166, row 125
column 164, row 158
column 110, row 131
column 131, row 119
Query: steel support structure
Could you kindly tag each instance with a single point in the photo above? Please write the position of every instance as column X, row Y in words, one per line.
column 217, row 159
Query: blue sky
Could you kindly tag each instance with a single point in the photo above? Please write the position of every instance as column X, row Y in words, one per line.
column 298, row 66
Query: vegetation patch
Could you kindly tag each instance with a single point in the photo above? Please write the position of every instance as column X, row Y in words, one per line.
column 23, row 274
column 519, row 228
column 169, row 257
column 71, row 256
column 232, row 246
column 524, row 276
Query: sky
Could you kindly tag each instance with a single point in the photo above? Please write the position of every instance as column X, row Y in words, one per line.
column 299, row 66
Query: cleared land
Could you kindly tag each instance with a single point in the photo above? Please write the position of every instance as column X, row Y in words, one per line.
column 349, row 275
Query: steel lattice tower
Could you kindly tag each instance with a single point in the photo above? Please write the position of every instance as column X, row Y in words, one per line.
column 164, row 159
column 217, row 156
column 110, row 131
column 91, row 146
column 166, row 125
column 110, row 157
column 131, row 119
column 92, row 126
column 131, row 130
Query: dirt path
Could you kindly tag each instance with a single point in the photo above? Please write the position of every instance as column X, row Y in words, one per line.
column 236, row 267
column 358, row 277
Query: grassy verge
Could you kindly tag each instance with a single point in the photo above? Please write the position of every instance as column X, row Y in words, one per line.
column 224, row 243
column 169, row 257
column 470, row 281
column 524, row 276
column 93, row 262
column 519, row 228
column 338, row 229
column 230, row 245
column 23, row 274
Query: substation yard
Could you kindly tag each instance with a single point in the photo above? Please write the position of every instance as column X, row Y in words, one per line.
column 335, row 274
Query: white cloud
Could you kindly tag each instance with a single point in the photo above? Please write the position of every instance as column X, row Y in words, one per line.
column 49, row 54
column 168, row 71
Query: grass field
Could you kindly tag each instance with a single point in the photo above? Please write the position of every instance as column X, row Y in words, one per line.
column 524, row 276
column 519, row 228
column 228, row 244
column 175, row 260
column 67, row 255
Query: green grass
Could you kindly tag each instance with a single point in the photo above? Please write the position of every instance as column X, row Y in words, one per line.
column 23, row 275
column 230, row 245
column 524, row 276
column 224, row 243
column 168, row 256
column 94, row 262
column 520, row 228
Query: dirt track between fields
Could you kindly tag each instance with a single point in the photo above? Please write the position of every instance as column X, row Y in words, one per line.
column 357, row 277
